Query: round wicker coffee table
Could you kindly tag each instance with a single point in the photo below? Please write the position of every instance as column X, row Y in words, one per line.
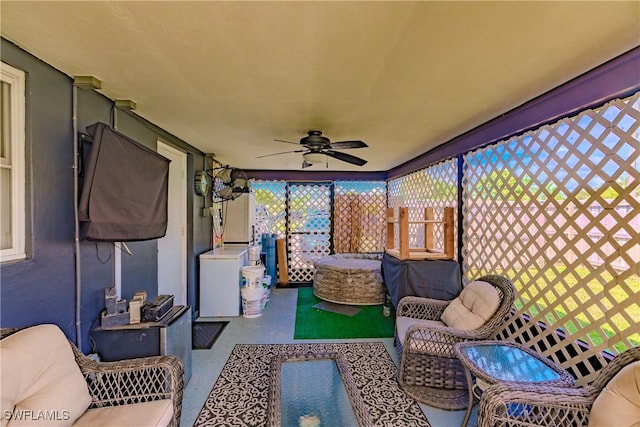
column 353, row 279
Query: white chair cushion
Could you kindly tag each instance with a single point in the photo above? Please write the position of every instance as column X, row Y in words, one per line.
column 41, row 381
column 404, row 323
column 619, row 402
column 147, row 414
column 477, row 302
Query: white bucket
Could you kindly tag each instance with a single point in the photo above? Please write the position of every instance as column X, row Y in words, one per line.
column 253, row 275
column 252, row 303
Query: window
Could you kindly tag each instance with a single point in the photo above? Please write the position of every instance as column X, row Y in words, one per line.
column 12, row 163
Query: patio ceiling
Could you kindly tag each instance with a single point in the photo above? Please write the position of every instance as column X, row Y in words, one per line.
column 230, row 77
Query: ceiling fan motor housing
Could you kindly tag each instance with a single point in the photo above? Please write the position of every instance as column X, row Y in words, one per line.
column 315, row 139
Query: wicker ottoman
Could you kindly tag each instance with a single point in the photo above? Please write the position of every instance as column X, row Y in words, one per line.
column 352, row 279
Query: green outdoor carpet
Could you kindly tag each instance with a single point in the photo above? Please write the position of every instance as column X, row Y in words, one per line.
column 312, row 323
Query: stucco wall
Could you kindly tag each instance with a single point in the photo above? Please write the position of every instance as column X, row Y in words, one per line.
column 41, row 289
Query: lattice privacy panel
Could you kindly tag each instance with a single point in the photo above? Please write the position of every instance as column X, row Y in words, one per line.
column 309, row 231
column 271, row 199
column 435, row 186
column 360, row 223
column 557, row 210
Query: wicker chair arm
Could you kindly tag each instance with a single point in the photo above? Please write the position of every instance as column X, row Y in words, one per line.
column 5, row 332
column 436, row 340
column 620, row 361
column 511, row 404
column 421, row 308
column 134, row 381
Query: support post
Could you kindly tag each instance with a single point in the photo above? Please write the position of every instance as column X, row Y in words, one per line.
column 428, row 228
column 390, row 229
column 448, row 232
column 403, row 222
column 283, row 269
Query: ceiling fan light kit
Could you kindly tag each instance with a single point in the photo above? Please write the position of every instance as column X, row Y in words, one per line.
column 314, row 158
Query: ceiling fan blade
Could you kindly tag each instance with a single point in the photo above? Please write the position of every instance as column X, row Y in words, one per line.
column 345, row 157
column 277, row 154
column 343, row 145
column 288, row 142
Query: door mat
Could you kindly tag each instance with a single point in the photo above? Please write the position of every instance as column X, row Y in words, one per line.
column 347, row 310
column 204, row 334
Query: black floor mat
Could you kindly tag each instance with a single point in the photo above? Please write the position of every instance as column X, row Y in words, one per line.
column 204, row 334
column 347, row 310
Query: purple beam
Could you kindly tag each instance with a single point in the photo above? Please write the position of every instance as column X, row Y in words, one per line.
column 617, row 78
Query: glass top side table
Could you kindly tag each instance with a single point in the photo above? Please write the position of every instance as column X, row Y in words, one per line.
column 505, row 361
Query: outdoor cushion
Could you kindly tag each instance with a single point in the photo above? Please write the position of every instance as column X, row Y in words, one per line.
column 619, row 402
column 477, row 302
column 157, row 413
column 40, row 378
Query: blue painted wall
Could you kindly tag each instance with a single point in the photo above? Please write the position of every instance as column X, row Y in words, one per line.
column 41, row 289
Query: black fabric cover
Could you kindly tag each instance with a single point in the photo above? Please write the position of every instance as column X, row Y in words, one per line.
column 125, row 189
column 438, row 279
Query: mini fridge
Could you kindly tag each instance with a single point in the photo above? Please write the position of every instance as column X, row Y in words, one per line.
column 221, row 280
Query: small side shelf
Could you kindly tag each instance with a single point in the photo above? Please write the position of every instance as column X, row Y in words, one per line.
column 429, row 251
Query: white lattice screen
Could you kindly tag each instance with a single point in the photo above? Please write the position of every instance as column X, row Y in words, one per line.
column 309, row 229
column 436, row 187
column 358, row 221
column 557, row 210
column 271, row 199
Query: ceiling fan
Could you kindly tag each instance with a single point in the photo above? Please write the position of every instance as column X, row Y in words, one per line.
column 319, row 147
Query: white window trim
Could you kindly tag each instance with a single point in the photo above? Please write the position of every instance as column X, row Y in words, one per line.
column 16, row 78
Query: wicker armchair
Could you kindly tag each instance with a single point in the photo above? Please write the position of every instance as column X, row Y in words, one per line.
column 129, row 381
column 514, row 404
column 429, row 369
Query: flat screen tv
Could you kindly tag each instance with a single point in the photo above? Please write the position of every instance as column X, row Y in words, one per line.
column 125, row 189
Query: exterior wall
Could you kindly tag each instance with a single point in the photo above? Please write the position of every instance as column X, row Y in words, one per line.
column 41, row 289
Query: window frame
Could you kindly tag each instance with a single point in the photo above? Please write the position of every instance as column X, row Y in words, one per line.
column 16, row 78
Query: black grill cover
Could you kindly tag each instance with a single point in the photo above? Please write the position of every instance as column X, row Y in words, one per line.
column 438, row 279
column 125, row 189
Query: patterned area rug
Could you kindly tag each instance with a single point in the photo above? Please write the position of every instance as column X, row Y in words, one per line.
column 240, row 395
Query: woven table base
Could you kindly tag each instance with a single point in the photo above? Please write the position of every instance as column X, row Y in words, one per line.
column 353, row 279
